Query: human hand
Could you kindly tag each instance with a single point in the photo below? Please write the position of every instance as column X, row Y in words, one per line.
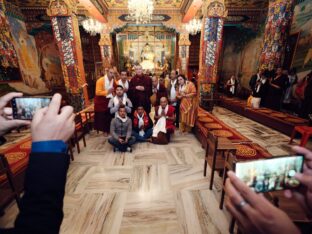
column 253, row 212
column 304, row 193
column 6, row 114
column 121, row 141
column 48, row 124
column 111, row 90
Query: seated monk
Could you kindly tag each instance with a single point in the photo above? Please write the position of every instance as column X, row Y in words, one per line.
column 142, row 125
column 164, row 119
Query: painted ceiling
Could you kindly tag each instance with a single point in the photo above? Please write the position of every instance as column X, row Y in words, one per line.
column 159, row 4
column 257, row 4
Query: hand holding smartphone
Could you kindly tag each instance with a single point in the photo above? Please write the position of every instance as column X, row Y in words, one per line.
column 25, row 107
column 270, row 174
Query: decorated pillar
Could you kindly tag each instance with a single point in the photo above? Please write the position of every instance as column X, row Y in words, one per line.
column 184, row 53
column 105, row 44
column 276, row 32
column 66, row 33
column 214, row 13
column 211, row 39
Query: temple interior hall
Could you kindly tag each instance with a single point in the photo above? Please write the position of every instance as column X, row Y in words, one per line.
column 156, row 116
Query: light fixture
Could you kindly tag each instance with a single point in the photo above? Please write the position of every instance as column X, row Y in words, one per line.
column 193, row 26
column 92, row 26
column 141, row 11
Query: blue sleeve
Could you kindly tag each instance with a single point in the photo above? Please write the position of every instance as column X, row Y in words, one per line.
column 57, row 146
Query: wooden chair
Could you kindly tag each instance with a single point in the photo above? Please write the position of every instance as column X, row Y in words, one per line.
column 81, row 129
column 211, row 152
column 70, row 150
column 11, row 192
column 216, row 146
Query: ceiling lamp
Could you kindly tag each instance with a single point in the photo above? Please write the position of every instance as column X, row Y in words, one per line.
column 193, row 26
column 141, row 11
column 92, row 26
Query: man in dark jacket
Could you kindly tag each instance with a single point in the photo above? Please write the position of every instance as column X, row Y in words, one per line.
column 121, row 131
column 41, row 208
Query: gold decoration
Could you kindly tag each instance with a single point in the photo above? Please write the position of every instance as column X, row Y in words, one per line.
column 266, row 111
column 205, row 120
column 245, row 151
column 214, row 8
column 222, row 133
column 26, row 145
column 279, row 115
column 62, row 7
column 213, row 126
column 201, row 114
column 184, row 40
column 105, row 40
column 15, row 156
column 294, row 120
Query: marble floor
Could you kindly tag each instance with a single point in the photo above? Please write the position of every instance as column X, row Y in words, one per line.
column 155, row 189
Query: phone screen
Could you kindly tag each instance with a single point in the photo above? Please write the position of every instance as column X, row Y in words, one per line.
column 270, row 174
column 25, row 107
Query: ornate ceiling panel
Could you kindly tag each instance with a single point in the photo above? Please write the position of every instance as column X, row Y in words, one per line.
column 159, row 4
column 256, row 4
column 30, row 3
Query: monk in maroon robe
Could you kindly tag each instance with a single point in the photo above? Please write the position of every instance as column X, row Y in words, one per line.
column 159, row 90
column 140, row 90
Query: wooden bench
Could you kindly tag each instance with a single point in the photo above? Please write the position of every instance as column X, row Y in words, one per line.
column 282, row 122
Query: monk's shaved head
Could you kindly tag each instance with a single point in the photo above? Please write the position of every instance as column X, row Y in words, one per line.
column 163, row 102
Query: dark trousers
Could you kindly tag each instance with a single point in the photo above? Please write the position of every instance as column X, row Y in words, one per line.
column 121, row 147
column 177, row 112
column 148, row 133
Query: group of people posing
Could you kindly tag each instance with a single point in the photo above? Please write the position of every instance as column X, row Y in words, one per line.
column 123, row 105
column 278, row 89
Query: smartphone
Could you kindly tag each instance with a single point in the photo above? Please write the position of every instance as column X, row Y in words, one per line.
column 25, row 107
column 270, row 174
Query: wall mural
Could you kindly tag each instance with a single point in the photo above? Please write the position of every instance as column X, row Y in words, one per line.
column 9, row 70
column 49, row 59
column 241, row 57
column 302, row 23
column 28, row 58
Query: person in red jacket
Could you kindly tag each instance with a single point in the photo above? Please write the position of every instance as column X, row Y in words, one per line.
column 142, row 127
column 164, row 119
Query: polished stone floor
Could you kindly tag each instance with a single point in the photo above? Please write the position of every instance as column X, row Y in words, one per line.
column 155, row 189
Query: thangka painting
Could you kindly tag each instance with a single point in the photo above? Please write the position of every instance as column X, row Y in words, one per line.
column 49, row 59
column 28, row 59
column 302, row 23
column 9, row 70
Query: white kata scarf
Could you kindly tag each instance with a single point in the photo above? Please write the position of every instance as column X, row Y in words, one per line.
column 161, row 123
column 124, row 85
column 173, row 94
column 140, row 124
column 182, row 88
column 108, row 84
column 156, row 89
column 117, row 100
column 232, row 83
column 122, row 119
